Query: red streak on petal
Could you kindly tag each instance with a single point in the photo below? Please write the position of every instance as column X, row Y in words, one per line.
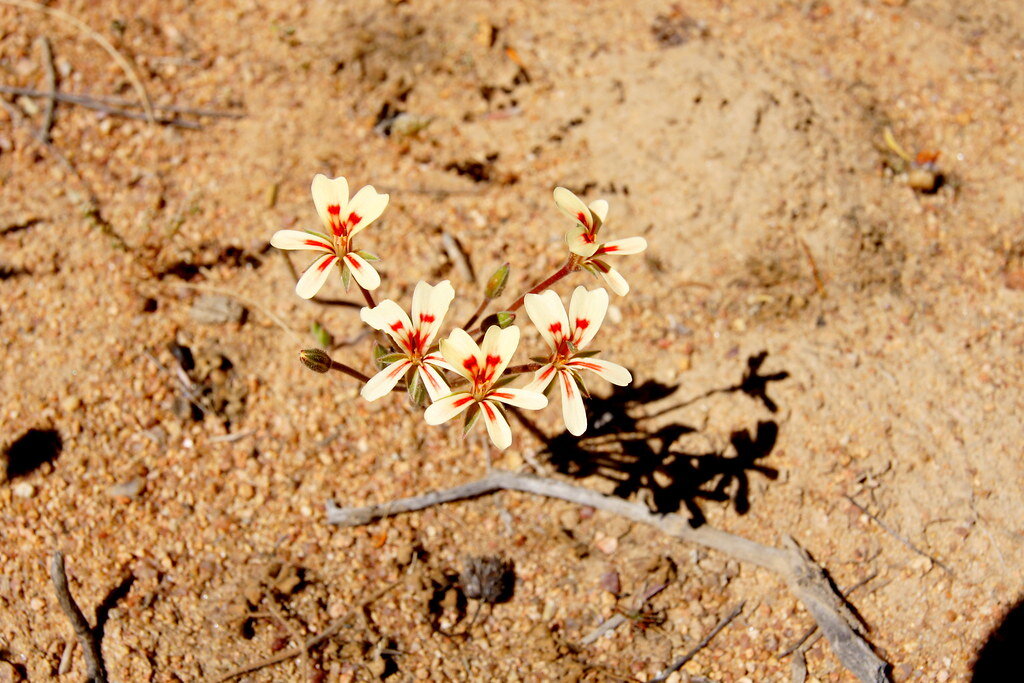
column 426, row 318
column 326, row 264
column 334, row 209
column 501, row 394
column 316, row 243
column 493, row 360
column 396, row 326
column 588, row 237
column 352, row 261
column 555, row 328
column 585, row 365
column 353, row 219
column 582, row 218
column 582, row 323
column 488, row 409
column 459, row 402
column 470, row 364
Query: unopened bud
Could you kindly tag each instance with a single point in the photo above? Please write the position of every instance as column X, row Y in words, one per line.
column 496, row 285
column 316, row 360
column 502, row 319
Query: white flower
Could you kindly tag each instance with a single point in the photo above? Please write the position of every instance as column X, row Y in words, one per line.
column 567, row 337
column 342, row 218
column 582, row 239
column 414, row 337
column 482, row 365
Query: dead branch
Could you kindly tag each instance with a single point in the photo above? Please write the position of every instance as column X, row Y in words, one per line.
column 86, row 637
column 51, row 87
column 899, row 537
column 679, row 663
column 805, row 578
column 98, row 105
column 109, row 103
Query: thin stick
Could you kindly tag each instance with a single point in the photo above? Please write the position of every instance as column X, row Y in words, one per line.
column 902, row 539
column 679, row 663
column 51, row 86
column 99, row 106
column 814, row 629
column 806, row 579
column 86, row 637
column 819, row 283
column 520, row 369
column 121, row 60
column 328, row 632
column 109, row 103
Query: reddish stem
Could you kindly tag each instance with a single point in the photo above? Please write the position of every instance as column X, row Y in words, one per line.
column 558, row 275
column 369, row 297
column 476, row 315
column 525, row 367
column 350, row 371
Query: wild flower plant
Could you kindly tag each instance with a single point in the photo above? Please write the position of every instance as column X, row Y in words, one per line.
column 475, row 358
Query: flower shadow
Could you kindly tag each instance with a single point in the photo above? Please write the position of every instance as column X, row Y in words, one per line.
column 654, row 463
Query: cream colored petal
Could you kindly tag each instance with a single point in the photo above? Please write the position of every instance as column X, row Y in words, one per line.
column 430, row 306
column 458, row 349
column 366, row 206
column 581, row 242
column 548, row 315
column 497, row 425
column 384, row 381
column 541, row 379
column 623, row 247
column 615, row 282
column 387, row 316
column 327, row 193
column 498, row 347
column 299, row 239
column 520, row 398
column 315, row 276
column 363, row 272
column 613, row 372
column 599, row 208
column 573, row 412
column 573, row 206
column 587, row 309
column 446, row 408
column 434, row 383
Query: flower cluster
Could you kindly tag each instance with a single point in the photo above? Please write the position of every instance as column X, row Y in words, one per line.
column 468, row 373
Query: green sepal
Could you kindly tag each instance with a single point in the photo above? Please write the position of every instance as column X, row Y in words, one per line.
column 416, row 390
column 379, row 353
column 504, row 381
column 389, row 358
column 324, row 338
column 496, row 283
column 368, row 255
column 586, row 354
column 579, row 383
column 573, row 349
column 502, row 319
column 472, row 415
column 540, row 359
column 346, row 276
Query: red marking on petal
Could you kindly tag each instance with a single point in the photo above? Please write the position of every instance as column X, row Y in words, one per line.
column 493, row 360
column 501, row 394
column 582, row 218
column 608, row 250
column 316, row 243
column 555, row 328
column 582, row 323
column 470, row 364
column 462, row 401
column 396, row 326
column 326, row 264
column 585, row 365
column 426, row 318
column 356, row 265
column 334, row 210
column 353, row 219
column 488, row 409
column 588, row 237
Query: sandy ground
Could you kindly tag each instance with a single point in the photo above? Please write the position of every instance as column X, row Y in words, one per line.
column 744, row 140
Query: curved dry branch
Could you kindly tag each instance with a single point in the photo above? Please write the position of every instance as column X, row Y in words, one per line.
column 806, row 579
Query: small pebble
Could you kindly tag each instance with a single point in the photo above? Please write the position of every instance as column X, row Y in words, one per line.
column 128, row 489
column 606, row 544
column 23, row 489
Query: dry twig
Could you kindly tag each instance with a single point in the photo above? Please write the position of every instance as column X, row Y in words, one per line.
column 806, row 579
column 86, row 637
column 121, row 60
column 111, row 104
column 899, row 537
column 51, row 87
column 681, row 662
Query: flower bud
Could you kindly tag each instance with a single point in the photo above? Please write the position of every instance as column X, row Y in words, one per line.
column 496, row 285
column 316, row 360
column 502, row 319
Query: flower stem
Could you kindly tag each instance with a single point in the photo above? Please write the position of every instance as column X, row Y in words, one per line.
column 520, row 369
column 476, row 315
column 368, row 296
column 569, row 266
column 350, row 371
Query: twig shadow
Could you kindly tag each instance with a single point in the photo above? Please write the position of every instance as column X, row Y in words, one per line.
column 116, row 594
column 656, row 463
column 1001, row 652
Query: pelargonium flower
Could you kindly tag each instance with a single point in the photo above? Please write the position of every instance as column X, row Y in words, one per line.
column 567, row 337
column 582, row 239
column 414, row 337
column 482, row 365
column 342, row 218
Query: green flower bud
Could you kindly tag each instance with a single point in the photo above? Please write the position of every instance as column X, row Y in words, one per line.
column 316, row 360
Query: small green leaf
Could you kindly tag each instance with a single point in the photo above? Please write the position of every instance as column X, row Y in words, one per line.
column 586, row 354
column 324, row 338
column 572, row 347
column 346, row 277
column 505, row 380
column 368, row 255
column 389, row 358
column 472, row 415
column 579, row 383
column 496, row 284
column 540, row 359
